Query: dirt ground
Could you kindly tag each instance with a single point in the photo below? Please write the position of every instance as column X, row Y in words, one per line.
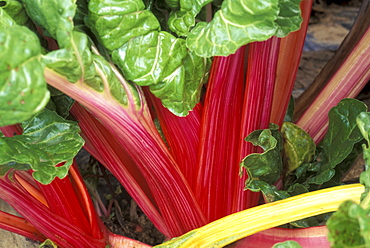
column 328, row 27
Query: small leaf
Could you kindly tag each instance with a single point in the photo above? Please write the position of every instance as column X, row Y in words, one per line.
column 47, row 141
column 299, row 147
column 266, row 166
column 23, row 90
column 182, row 20
column 287, row 244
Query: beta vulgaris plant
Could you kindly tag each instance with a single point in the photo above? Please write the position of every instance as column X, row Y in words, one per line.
column 188, row 104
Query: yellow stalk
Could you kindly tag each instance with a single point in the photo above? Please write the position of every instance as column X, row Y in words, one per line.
column 242, row 224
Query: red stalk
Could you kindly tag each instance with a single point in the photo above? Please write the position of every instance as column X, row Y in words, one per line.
column 53, row 226
column 219, row 139
column 10, row 131
column 135, row 131
column 260, row 83
column 20, row 226
column 104, row 146
column 182, row 136
column 63, row 201
column 289, row 58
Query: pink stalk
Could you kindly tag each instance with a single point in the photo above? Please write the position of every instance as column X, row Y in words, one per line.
column 290, row 53
column 136, row 133
column 219, row 139
column 182, row 136
column 117, row 241
column 260, row 83
column 306, row 237
column 347, row 82
column 107, row 150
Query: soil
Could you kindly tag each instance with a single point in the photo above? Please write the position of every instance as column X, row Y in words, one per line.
column 328, row 26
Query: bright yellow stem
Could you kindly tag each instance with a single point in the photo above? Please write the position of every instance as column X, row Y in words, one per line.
column 239, row 225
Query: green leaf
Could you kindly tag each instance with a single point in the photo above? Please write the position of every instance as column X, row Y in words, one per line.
column 60, row 102
column 5, row 19
column 240, row 22
column 287, row 244
column 299, row 147
column 116, row 22
column 161, row 61
column 266, row 166
column 16, row 11
column 74, row 60
column 47, row 141
column 23, row 90
column 182, row 20
column 55, row 17
column 363, row 123
column 349, row 226
column 342, row 134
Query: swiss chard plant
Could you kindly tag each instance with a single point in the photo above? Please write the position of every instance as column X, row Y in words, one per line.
column 188, row 104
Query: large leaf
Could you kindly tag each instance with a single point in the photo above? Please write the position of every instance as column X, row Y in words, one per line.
column 47, row 141
column 23, row 90
column 54, row 16
column 161, row 61
column 115, row 23
column 148, row 56
column 240, row 22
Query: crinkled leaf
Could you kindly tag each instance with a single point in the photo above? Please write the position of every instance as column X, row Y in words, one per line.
column 340, row 138
column 266, row 166
column 53, row 16
column 16, row 11
column 287, row 244
column 115, row 23
column 349, row 226
column 47, row 141
column 161, row 61
column 23, row 90
column 240, row 22
column 182, row 20
column 299, row 147
column 363, row 123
